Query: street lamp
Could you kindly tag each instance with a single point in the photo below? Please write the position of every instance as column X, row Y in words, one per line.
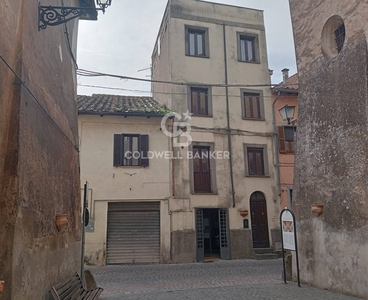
column 56, row 15
column 287, row 113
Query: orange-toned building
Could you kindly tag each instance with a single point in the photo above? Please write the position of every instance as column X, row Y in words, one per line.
column 286, row 93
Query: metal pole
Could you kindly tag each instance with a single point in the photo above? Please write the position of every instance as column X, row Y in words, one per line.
column 283, row 251
column 296, row 250
column 83, row 230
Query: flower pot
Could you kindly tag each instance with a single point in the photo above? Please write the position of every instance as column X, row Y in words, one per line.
column 317, row 209
column 2, row 286
column 61, row 221
column 244, row 213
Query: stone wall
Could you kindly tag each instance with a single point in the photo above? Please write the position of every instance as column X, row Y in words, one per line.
column 39, row 165
column 331, row 158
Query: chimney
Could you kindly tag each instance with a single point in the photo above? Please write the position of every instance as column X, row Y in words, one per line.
column 285, row 75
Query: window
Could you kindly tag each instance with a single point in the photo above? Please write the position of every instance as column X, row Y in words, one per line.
column 286, row 139
column 333, row 36
column 256, row 163
column 340, row 37
column 251, row 105
column 201, row 169
column 196, row 41
column 130, row 150
column 247, row 48
column 199, row 104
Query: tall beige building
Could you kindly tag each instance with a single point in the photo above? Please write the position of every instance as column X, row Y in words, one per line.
column 211, row 60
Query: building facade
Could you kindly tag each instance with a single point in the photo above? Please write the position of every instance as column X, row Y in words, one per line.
column 286, row 93
column 209, row 65
column 331, row 159
column 39, row 158
column 125, row 160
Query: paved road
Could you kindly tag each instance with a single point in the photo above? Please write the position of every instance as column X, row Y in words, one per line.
column 236, row 279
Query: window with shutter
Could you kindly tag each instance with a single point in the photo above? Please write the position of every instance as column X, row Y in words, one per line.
column 256, row 161
column 130, row 150
column 199, row 101
column 251, row 106
column 286, row 139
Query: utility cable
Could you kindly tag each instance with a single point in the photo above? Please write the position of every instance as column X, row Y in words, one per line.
column 87, row 73
column 38, row 102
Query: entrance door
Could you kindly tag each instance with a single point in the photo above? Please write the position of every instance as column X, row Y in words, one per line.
column 258, row 208
column 212, row 233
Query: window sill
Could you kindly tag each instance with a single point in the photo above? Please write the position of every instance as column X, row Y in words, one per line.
column 249, row 62
column 249, row 119
column 202, row 116
column 202, row 193
column 258, row 176
column 199, row 56
column 133, row 167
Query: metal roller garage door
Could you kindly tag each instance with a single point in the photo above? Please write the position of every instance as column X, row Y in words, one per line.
column 133, row 233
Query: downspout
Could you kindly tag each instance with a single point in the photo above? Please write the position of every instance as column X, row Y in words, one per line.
column 276, row 144
column 228, row 130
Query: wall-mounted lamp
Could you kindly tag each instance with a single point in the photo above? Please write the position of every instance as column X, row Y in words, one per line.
column 287, row 113
column 56, row 15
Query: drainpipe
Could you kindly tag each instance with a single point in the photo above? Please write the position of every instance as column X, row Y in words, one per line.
column 228, row 130
column 276, row 144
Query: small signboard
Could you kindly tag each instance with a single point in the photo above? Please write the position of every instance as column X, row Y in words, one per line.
column 288, row 238
column 288, row 230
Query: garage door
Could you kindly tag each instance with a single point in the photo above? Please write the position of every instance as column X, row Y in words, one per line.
column 133, row 233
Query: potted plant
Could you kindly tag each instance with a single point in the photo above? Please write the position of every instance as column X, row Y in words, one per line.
column 244, row 213
column 61, row 221
column 317, row 209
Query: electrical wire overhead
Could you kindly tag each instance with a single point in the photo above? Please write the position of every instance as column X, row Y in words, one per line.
column 88, row 73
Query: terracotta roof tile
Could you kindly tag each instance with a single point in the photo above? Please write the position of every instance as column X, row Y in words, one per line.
column 118, row 104
column 291, row 83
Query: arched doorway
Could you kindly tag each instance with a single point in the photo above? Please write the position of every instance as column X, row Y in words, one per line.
column 258, row 211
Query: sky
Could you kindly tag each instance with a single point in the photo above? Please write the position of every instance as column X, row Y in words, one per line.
column 122, row 40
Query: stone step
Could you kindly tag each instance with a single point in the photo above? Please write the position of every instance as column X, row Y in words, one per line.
column 262, row 250
column 265, row 256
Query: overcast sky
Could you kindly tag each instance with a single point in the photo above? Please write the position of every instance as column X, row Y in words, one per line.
column 122, row 40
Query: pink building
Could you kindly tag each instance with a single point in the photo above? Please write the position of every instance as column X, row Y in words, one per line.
column 286, row 93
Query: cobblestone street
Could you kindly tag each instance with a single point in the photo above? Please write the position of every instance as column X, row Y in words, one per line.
column 236, row 279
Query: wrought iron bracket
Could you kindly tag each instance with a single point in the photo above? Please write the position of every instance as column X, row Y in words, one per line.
column 56, row 15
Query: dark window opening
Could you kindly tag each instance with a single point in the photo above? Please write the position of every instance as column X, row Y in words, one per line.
column 340, row 37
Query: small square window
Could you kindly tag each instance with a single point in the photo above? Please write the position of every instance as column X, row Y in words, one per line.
column 130, row 150
column 196, row 40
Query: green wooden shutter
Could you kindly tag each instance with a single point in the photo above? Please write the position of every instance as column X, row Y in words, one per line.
column 118, row 151
column 144, row 150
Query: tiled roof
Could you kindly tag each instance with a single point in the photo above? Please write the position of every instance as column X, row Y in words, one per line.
column 118, row 104
column 290, row 84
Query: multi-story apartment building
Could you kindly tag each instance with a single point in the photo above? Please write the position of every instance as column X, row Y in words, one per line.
column 331, row 158
column 210, row 60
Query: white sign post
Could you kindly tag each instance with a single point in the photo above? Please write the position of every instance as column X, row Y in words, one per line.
column 288, row 237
